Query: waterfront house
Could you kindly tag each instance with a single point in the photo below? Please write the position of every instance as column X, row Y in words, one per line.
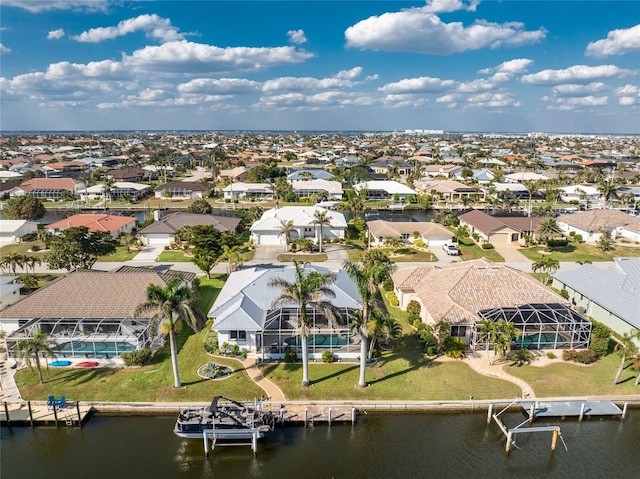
column 580, row 193
column 183, row 190
column 119, row 191
column 467, row 292
column 382, row 189
column 88, row 313
column 498, row 230
column 449, row 190
column 611, row 295
column 246, row 191
column 331, row 190
column 243, row 315
column 395, row 165
column 50, row 189
column 127, row 174
column 115, row 225
column 591, row 223
column 433, row 235
column 9, row 292
column 268, row 229
column 163, row 231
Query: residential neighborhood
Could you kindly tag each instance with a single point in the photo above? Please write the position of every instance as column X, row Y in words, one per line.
column 459, row 235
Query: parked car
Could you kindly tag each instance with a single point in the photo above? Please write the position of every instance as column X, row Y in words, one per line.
column 451, row 249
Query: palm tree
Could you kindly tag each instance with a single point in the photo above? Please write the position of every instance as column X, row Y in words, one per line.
column 170, row 304
column 308, row 289
column 367, row 275
column 547, row 229
column 28, row 281
column 31, row 262
column 322, row 219
column 233, row 257
column 285, row 229
column 547, row 265
column 626, row 348
column 33, row 347
column 12, row 261
column 107, row 188
column 608, row 190
column 487, row 333
column 504, row 334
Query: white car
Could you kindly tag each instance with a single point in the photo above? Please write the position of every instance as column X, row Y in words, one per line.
column 451, row 249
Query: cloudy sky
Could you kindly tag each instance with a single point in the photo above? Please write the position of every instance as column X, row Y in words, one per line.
column 457, row 65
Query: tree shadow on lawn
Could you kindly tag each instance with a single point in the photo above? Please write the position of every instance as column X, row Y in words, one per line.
column 335, row 374
column 80, row 376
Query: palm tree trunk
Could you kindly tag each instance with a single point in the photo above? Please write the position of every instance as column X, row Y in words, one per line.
column 174, row 359
column 305, row 359
column 321, row 238
column 637, row 380
column 362, row 382
column 372, row 347
column 620, row 368
column 39, row 368
column 487, row 350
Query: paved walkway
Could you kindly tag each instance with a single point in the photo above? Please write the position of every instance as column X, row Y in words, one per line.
column 9, row 390
column 479, row 363
column 274, row 393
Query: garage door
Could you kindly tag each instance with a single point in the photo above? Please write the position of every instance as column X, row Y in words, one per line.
column 270, row 239
column 158, row 240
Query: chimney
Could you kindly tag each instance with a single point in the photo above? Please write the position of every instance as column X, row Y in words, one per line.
column 157, row 214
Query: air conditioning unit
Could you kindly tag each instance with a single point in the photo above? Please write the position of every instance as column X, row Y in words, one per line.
column 581, row 310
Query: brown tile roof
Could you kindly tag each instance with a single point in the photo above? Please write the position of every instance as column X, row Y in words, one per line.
column 95, row 222
column 48, row 184
column 456, row 291
column 486, row 223
column 88, row 294
column 174, row 221
column 186, row 185
column 593, row 220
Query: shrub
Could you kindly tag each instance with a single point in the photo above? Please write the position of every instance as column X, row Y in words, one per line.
column 578, row 238
column 387, row 284
column 291, row 356
column 211, row 342
column 413, row 317
column 419, row 243
column 585, row 356
column 554, row 243
column 599, row 330
column 235, row 349
column 521, row 356
column 431, row 350
column 139, row 357
column 453, row 347
column 414, row 307
column 327, row 356
column 244, row 354
column 393, row 298
column 600, row 346
column 475, row 236
column 35, row 248
column 564, row 293
column 486, row 246
column 551, row 355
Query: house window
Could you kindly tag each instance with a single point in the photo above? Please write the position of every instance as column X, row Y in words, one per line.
column 458, row 331
column 238, row 335
column 405, row 236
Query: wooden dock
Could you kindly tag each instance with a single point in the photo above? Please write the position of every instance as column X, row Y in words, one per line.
column 37, row 413
column 311, row 414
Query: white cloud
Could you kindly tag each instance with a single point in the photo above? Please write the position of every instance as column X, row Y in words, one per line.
column 221, row 85
column 55, row 34
column 343, row 79
column 573, row 89
column 297, row 37
column 36, row 6
column 393, row 100
column 351, row 74
column 618, row 42
column 576, row 73
column 628, row 90
column 492, row 100
column 418, row 85
column 154, row 26
column 448, row 6
column 628, row 95
column 183, row 57
column 323, row 100
column 453, row 97
column 4, row 50
column 575, row 103
column 419, row 30
column 476, row 86
column 508, row 68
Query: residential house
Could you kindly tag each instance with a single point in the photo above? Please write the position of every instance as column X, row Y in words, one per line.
column 119, row 191
column 50, row 189
column 309, row 174
column 127, row 174
column 466, row 292
column 183, row 190
column 9, row 292
column 447, row 171
column 509, row 190
column 116, row 225
column 12, row 231
column 580, row 193
column 395, row 165
column 611, row 295
column 236, row 174
column 244, row 315
column 331, row 190
column 522, row 176
column 377, row 190
column 248, row 191
column 591, row 223
column 432, row 234
column 163, row 231
column 268, row 229
column 88, row 313
column 449, row 190
column 498, row 230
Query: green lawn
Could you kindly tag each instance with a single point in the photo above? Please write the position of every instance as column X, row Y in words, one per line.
column 581, row 252
column 23, row 248
column 476, row 252
column 120, row 255
column 174, row 256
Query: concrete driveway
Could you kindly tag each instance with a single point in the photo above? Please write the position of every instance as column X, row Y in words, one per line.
column 149, row 253
column 510, row 253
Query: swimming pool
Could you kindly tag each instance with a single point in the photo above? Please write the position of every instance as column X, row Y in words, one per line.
column 544, row 339
column 320, row 340
column 90, row 348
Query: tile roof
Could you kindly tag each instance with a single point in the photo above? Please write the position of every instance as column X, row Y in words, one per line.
column 48, row 184
column 95, row 222
column 174, row 221
column 594, row 220
column 456, row 291
column 486, row 223
column 185, row 185
column 88, row 294
column 397, row 228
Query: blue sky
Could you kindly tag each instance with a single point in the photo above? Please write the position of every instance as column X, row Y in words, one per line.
column 509, row 66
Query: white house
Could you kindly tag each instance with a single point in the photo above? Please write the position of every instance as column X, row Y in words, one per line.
column 384, row 189
column 236, row 191
column 12, row 231
column 243, row 314
column 268, row 229
column 332, row 190
column 432, row 234
column 590, row 224
column 581, row 193
column 118, row 191
column 9, row 294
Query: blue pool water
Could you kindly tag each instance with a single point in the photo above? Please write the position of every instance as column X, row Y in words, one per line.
column 322, row 340
column 82, row 349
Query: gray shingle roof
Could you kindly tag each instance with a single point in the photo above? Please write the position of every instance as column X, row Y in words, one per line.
column 615, row 289
column 174, row 221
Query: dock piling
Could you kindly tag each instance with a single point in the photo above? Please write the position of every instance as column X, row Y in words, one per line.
column 554, row 439
column 624, row 411
column 6, row 413
column 306, row 417
column 30, row 413
column 489, row 413
column 353, row 416
column 581, row 416
column 329, row 416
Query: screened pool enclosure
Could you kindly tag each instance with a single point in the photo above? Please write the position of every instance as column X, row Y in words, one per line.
column 85, row 337
column 540, row 326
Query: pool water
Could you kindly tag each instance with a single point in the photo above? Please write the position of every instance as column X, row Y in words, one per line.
column 80, row 348
column 545, row 339
column 323, row 340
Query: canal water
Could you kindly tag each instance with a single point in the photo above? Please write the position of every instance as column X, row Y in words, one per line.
column 379, row 446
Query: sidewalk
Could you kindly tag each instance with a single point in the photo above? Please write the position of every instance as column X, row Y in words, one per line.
column 274, row 393
column 9, row 391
